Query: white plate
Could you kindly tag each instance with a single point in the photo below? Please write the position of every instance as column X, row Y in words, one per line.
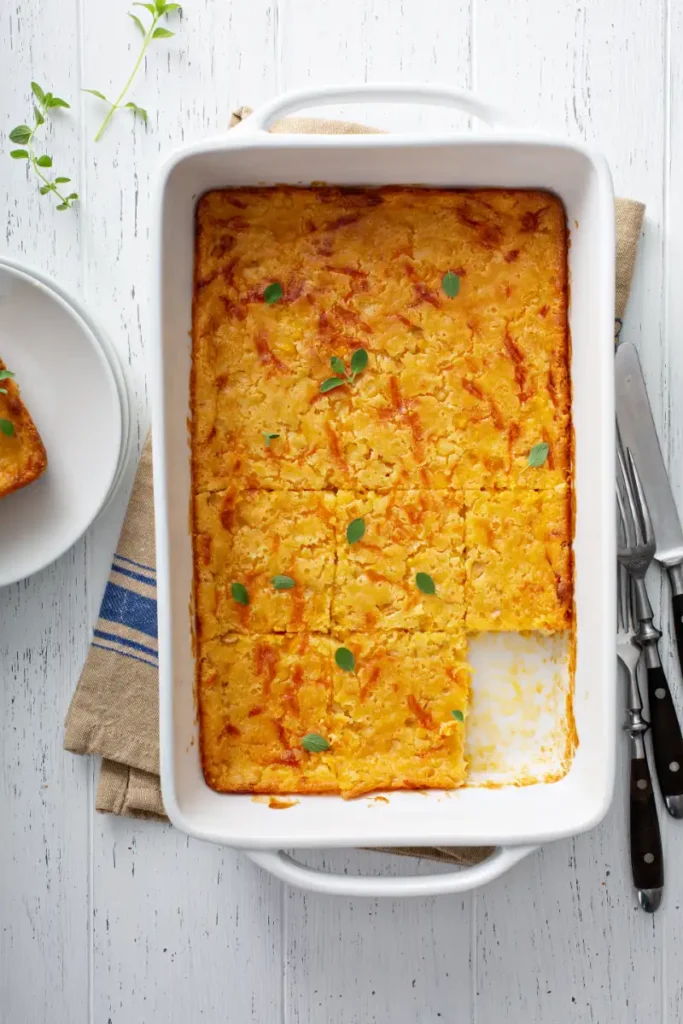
column 71, row 393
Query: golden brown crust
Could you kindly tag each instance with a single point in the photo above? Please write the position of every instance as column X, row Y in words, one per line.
column 22, row 456
column 430, row 447
column 389, row 723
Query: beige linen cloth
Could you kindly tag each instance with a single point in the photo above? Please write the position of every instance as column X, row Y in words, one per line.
column 114, row 711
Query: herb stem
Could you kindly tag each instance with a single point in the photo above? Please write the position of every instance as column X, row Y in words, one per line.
column 34, row 160
column 117, row 104
column 36, row 167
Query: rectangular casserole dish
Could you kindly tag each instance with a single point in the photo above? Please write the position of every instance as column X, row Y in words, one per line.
column 249, row 155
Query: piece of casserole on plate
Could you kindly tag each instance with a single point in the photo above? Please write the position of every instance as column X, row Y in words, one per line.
column 22, row 453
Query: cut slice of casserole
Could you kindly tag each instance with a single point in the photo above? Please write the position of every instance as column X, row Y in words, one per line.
column 22, row 453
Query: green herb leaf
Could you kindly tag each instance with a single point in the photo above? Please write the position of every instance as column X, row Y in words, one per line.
column 283, row 582
column 138, row 111
column 450, row 283
column 19, row 154
column 21, row 134
column 95, row 92
column 538, row 454
column 359, row 360
column 269, row 437
column 159, row 4
column 239, row 593
column 137, row 21
column 74, row 195
column 458, row 716
column 48, row 99
column 56, row 101
column 63, row 206
column 148, row 7
column 345, row 659
column 6, row 375
column 355, row 531
column 314, row 743
column 39, row 117
column 425, row 583
column 7, row 428
column 62, row 181
column 162, row 33
column 272, row 293
column 169, row 8
column 330, row 383
column 37, row 92
column 44, row 189
column 337, row 364
column 44, row 161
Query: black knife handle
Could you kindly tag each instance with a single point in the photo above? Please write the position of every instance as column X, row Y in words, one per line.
column 667, row 741
column 677, row 600
column 647, row 861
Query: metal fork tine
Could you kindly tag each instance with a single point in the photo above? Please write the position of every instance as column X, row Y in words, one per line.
column 623, row 519
column 621, row 625
column 640, row 499
column 630, row 499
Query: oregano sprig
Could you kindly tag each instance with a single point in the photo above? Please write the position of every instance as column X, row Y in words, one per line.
column 359, row 361
column 157, row 10
column 25, row 135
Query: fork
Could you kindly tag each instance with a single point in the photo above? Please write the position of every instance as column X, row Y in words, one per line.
column 635, row 551
column 647, row 863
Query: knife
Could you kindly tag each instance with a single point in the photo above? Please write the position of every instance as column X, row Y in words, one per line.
column 637, row 432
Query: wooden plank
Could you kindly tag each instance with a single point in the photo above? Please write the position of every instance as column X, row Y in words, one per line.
column 562, row 940
column 672, row 418
column 45, row 794
column 377, row 960
column 183, row 930
column 377, row 40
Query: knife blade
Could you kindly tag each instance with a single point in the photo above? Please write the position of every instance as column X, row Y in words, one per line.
column 637, row 432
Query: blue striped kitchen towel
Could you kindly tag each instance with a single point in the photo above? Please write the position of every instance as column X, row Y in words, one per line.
column 114, row 711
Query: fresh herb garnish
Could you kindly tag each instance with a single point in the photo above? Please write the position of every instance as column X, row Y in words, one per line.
column 458, row 716
column 5, row 375
column 272, row 293
column 7, row 428
column 314, row 743
column 425, row 583
column 345, row 659
column 239, row 593
column 538, row 454
column 450, row 283
column 283, row 582
column 269, row 437
column 359, row 361
column 24, row 135
column 332, row 382
column 157, row 10
column 355, row 531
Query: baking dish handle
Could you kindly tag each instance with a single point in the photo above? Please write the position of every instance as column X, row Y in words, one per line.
column 371, row 92
column 284, row 867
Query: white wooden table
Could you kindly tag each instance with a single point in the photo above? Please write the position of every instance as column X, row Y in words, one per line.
column 107, row 920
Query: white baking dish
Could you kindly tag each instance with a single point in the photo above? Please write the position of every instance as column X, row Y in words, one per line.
column 506, row 816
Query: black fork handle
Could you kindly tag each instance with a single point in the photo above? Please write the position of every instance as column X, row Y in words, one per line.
column 667, row 740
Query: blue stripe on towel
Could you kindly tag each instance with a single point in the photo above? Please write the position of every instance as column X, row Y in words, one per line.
column 130, row 609
column 134, row 575
column 140, row 565
column 126, row 642
column 124, row 654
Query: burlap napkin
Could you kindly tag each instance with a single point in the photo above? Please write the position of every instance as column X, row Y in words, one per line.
column 114, row 711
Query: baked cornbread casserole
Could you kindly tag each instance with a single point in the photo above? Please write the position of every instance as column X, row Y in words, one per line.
column 22, row 453
column 381, row 460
